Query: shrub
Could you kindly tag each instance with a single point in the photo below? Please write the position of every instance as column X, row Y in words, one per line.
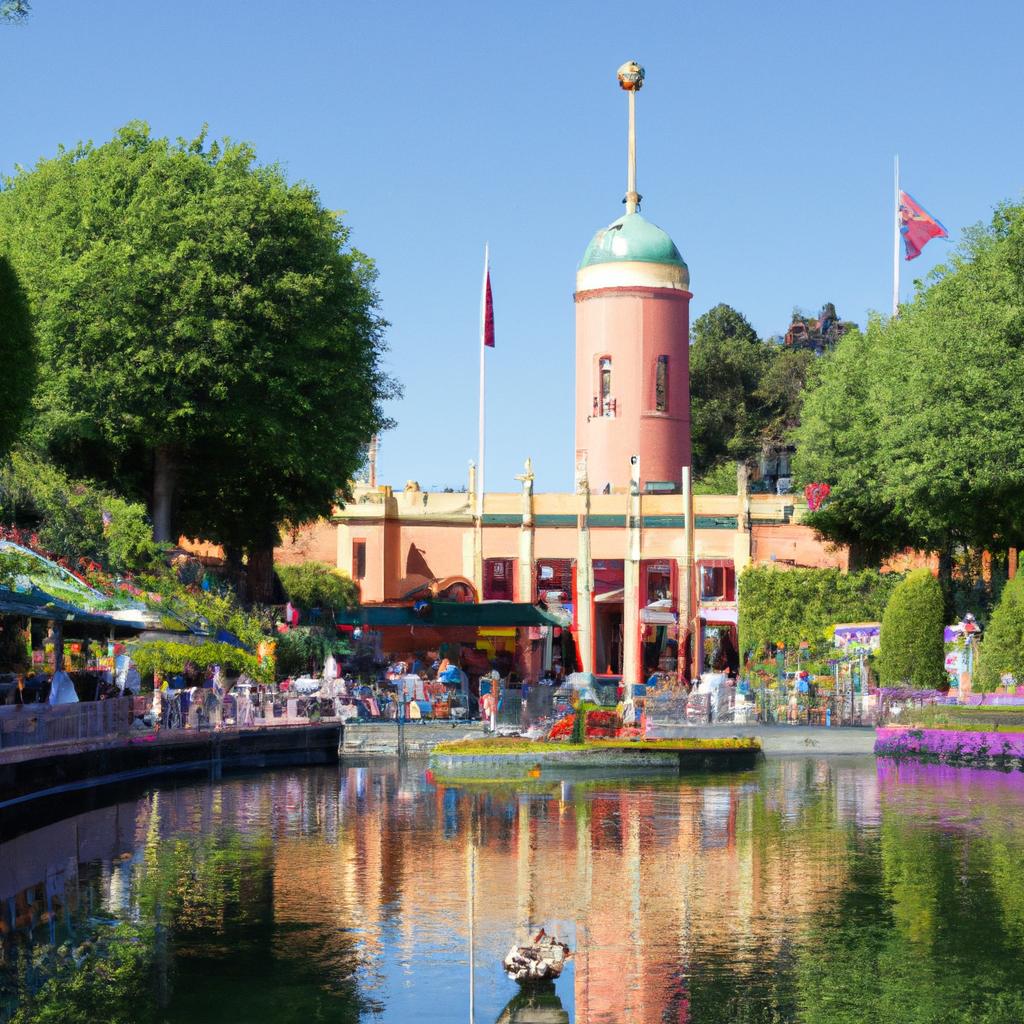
column 318, row 585
column 1003, row 648
column 912, row 650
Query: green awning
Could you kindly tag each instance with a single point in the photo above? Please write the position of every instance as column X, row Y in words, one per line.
column 40, row 605
column 494, row 614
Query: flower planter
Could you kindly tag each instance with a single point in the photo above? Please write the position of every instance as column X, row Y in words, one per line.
column 951, row 746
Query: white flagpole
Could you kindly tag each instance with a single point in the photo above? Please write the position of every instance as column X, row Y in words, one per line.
column 896, row 244
column 483, row 334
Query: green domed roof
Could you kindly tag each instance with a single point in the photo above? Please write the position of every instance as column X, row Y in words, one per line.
column 631, row 238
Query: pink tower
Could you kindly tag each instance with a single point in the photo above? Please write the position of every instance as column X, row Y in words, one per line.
column 632, row 344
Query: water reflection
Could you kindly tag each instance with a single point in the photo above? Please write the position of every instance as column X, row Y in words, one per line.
column 537, row 1006
column 810, row 890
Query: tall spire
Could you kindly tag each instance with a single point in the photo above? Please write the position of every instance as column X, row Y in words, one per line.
column 631, row 78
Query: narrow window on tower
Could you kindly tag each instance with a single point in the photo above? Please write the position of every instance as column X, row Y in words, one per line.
column 605, row 372
column 359, row 559
column 661, row 385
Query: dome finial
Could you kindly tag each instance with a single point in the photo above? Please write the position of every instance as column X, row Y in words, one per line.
column 631, row 78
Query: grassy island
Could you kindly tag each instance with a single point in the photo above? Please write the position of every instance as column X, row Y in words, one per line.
column 518, row 745
column 503, row 758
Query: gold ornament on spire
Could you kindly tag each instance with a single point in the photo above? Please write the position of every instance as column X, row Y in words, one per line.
column 631, row 79
column 631, row 76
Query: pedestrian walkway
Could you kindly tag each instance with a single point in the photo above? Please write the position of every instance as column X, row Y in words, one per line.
column 782, row 740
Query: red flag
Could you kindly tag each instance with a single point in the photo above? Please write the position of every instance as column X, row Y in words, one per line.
column 917, row 226
column 488, row 308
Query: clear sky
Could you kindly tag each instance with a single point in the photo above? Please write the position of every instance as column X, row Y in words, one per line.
column 766, row 139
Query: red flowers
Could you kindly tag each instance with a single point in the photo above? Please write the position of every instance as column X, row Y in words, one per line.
column 600, row 725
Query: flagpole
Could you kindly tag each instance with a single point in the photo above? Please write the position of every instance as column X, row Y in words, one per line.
column 896, row 242
column 479, row 512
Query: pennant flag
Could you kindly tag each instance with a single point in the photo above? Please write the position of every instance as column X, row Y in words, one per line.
column 917, row 226
column 488, row 308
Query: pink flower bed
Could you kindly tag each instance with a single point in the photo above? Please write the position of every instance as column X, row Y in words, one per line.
column 952, row 746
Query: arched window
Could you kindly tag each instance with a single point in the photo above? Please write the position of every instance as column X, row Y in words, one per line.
column 605, row 383
column 661, row 384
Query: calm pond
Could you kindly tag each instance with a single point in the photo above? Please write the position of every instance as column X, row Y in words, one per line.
column 811, row 890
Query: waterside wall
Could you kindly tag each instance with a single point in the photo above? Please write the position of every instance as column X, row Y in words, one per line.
column 56, row 770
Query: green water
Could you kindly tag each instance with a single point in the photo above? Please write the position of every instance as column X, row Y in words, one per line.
column 809, row 890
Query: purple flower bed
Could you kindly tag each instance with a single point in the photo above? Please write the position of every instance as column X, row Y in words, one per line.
column 949, row 746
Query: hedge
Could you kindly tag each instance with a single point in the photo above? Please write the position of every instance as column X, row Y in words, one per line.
column 787, row 606
column 912, row 651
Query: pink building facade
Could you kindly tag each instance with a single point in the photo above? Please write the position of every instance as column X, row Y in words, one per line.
column 646, row 578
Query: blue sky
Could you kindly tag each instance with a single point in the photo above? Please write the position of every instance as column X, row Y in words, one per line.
column 767, row 133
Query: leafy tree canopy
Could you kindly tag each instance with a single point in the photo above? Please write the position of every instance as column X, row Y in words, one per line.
column 75, row 519
column 918, row 424
column 14, row 10
column 727, row 362
column 210, row 341
column 17, row 355
column 745, row 395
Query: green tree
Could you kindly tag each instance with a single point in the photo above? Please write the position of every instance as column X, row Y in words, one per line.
column 323, row 590
column 839, row 442
column 211, row 341
column 75, row 519
column 17, row 355
column 918, row 424
column 14, row 10
column 727, row 362
column 1002, row 649
column 778, row 396
column 912, row 652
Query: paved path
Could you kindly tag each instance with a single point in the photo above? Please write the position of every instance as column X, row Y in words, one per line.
column 778, row 740
column 419, row 737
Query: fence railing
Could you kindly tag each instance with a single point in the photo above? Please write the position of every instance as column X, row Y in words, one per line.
column 24, row 725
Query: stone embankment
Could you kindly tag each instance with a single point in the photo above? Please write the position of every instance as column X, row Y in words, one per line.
column 57, row 769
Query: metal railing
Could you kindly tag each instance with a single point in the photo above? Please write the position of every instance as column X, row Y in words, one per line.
column 25, row 725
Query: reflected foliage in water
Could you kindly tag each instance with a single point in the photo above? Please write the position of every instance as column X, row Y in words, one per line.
column 808, row 891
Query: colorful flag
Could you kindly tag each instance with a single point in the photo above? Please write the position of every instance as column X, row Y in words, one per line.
column 917, row 226
column 488, row 307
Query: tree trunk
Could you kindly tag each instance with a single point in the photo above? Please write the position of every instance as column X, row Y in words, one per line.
column 946, row 579
column 260, row 575
column 236, row 571
column 165, row 473
column 865, row 555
